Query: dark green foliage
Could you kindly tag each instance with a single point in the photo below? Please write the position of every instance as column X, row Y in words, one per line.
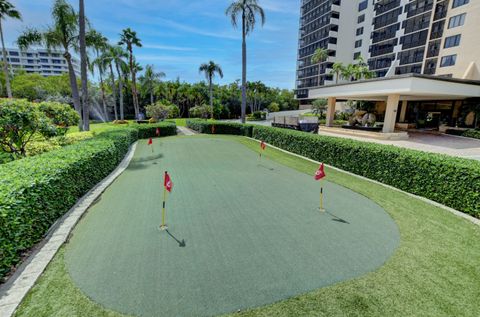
column 204, row 126
column 36, row 191
column 475, row 134
column 150, row 130
column 450, row 181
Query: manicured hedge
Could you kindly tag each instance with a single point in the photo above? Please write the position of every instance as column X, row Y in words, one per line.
column 36, row 191
column 204, row 126
column 146, row 131
column 451, row 181
column 475, row 134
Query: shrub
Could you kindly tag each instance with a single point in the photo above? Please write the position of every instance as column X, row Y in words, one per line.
column 120, row 122
column 149, row 131
column 450, row 181
column 62, row 115
column 274, row 107
column 20, row 121
column 257, row 116
column 36, row 191
column 475, row 134
column 162, row 110
column 204, row 126
column 203, row 111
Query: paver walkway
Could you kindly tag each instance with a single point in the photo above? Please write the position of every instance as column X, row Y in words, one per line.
column 428, row 142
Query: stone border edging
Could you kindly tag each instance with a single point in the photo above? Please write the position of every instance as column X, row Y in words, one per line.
column 16, row 288
column 434, row 203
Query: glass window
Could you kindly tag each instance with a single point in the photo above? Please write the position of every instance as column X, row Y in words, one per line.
column 362, row 5
column 358, row 43
column 356, row 55
column 457, row 3
column 360, row 31
column 452, row 41
column 13, row 53
column 361, row 18
column 448, row 60
column 456, row 21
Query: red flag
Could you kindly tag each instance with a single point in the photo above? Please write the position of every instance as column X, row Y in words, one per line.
column 320, row 173
column 263, row 145
column 158, row 132
column 168, row 183
column 150, row 141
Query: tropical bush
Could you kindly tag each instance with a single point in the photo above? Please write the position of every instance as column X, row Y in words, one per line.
column 274, row 107
column 162, row 110
column 203, row 111
column 475, row 134
column 62, row 115
column 450, row 181
column 257, row 116
column 21, row 121
column 36, row 191
column 204, row 126
column 319, row 106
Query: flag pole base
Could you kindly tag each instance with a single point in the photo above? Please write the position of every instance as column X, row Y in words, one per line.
column 163, row 227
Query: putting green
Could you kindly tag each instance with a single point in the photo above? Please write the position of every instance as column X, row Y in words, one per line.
column 252, row 230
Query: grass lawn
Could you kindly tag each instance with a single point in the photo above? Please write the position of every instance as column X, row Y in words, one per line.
column 180, row 122
column 434, row 271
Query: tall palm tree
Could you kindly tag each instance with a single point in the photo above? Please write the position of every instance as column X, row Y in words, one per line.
column 99, row 43
column 116, row 56
column 129, row 38
column 83, row 65
column 247, row 10
column 210, row 69
column 337, row 70
column 7, row 10
column 149, row 79
column 63, row 33
column 320, row 56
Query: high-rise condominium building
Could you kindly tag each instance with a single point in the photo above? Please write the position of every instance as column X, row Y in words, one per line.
column 395, row 37
column 41, row 61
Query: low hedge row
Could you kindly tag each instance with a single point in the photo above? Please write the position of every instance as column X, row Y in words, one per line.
column 36, row 191
column 146, row 131
column 204, row 126
column 450, row 181
column 474, row 134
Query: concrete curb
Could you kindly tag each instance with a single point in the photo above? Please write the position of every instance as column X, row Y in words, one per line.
column 16, row 288
column 434, row 203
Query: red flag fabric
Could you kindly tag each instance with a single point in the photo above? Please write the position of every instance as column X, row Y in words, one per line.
column 150, row 141
column 320, row 173
column 158, row 132
column 168, row 183
column 263, row 145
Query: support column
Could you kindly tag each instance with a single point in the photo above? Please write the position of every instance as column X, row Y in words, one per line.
column 403, row 112
column 391, row 113
column 332, row 102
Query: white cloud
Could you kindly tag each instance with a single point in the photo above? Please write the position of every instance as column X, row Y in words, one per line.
column 169, row 47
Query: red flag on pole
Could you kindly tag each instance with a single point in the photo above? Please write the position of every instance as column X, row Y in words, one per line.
column 263, row 145
column 320, row 173
column 158, row 132
column 150, row 141
column 168, row 183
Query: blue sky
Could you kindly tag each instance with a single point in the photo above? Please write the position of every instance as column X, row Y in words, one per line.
column 179, row 35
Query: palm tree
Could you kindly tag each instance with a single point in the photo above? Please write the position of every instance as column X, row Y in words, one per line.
column 337, row 70
column 129, row 39
column 83, row 66
column 210, row 69
column 248, row 11
column 7, row 10
column 99, row 44
column 116, row 56
column 319, row 57
column 149, row 79
column 62, row 34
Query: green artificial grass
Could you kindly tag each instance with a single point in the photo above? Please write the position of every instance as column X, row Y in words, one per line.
column 434, row 272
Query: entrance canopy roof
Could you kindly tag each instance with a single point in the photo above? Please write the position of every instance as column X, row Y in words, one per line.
column 409, row 87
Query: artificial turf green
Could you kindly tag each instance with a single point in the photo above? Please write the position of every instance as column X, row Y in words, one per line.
column 253, row 233
column 434, row 272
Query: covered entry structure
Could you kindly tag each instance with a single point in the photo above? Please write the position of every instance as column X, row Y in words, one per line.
column 401, row 99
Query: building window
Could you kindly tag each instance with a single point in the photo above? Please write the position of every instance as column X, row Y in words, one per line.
column 358, row 43
column 356, row 55
column 360, row 31
column 361, row 18
column 362, row 5
column 457, row 3
column 13, row 53
column 43, row 60
column 456, row 21
column 14, row 60
column 452, row 41
column 448, row 60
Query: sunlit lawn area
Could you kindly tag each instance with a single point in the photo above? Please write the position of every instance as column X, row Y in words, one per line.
column 434, row 271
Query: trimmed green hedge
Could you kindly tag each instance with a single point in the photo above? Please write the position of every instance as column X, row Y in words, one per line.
column 475, row 134
column 36, row 191
column 450, row 181
column 146, row 131
column 204, row 126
